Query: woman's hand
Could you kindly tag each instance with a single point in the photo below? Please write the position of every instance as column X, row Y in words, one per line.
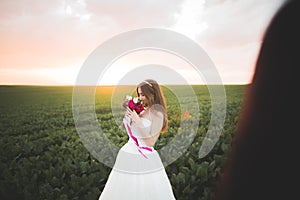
column 133, row 116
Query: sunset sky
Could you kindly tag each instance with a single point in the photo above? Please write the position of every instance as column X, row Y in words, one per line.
column 46, row 42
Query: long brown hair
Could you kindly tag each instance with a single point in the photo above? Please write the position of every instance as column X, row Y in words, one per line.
column 155, row 97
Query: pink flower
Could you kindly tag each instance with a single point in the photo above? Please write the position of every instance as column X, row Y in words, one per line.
column 133, row 104
column 139, row 108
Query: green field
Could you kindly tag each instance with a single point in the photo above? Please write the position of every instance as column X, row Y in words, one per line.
column 43, row 157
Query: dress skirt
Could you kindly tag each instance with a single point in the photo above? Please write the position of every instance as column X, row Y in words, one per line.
column 138, row 174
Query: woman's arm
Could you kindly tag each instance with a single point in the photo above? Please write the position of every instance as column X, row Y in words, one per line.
column 156, row 126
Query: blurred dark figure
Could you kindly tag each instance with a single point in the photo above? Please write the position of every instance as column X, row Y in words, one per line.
column 264, row 156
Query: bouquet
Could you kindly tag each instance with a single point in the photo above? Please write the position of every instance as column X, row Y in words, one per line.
column 134, row 103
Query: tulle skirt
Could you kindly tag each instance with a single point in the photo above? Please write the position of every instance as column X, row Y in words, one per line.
column 137, row 175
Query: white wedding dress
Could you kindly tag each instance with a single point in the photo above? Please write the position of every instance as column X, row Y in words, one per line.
column 138, row 173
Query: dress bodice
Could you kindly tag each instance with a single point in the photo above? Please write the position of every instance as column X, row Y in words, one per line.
column 136, row 131
column 146, row 123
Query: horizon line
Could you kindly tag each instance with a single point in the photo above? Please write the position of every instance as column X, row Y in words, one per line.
column 108, row 85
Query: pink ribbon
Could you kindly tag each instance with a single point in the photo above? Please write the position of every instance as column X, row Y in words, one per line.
column 137, row 142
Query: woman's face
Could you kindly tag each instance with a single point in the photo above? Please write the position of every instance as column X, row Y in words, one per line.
column 142, row 97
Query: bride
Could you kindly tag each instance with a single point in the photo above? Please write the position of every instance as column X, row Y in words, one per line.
column 138, row 172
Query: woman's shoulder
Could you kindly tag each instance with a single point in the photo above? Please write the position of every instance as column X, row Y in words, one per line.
column 153, row 113
column 157, row 113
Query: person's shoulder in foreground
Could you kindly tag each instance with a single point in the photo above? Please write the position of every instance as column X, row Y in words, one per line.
column 261, row 164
